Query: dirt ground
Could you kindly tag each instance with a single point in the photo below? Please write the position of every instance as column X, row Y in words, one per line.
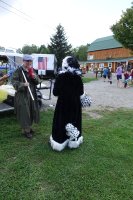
column 104, row 95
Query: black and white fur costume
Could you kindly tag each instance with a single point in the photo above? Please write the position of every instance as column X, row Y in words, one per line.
column 66, row 128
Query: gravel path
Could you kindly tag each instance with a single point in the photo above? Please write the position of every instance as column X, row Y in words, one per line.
column 104, row 95
column 109, row 96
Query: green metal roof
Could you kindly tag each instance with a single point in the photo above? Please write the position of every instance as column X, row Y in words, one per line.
column 104, row 43
column 111, row 60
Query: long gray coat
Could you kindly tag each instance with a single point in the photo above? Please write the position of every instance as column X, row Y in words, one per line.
column 26, row 109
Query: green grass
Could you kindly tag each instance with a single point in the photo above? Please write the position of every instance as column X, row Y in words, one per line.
column 88, row 79
column 101, row 169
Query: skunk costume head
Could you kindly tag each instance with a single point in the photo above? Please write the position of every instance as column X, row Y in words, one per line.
column 71, row 65
column 70, row 61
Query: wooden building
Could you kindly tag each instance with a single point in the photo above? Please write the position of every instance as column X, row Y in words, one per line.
column 108, row 52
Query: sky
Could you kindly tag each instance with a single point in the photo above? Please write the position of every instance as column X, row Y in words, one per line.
column 34, row 21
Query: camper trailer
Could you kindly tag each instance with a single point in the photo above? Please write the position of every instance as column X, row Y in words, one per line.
column 9, row 61
column 45, row 65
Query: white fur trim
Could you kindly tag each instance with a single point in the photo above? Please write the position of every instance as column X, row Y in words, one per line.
column 75, row 144
column 57, row 146
column 83, row 95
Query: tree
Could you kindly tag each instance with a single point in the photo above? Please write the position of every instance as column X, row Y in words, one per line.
column 81, row 52
column 43, row 49
column 59, row 45
column 123, row 29
column 27, row 49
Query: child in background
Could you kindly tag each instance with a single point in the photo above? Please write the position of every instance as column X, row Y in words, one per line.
column 126, row 78
column 109, row 76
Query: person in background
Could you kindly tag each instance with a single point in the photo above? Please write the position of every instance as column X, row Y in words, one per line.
column 131, row 76
column 87, row 68
column 109, row 75
column 126, row 78
column 68, row 87
column 119, row 75
column 26, row 104
column 101, row 71
column 105, row 73
column 96, row 70
column 5, row 77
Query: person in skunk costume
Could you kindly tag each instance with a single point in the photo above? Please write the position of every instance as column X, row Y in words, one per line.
column 68, row 87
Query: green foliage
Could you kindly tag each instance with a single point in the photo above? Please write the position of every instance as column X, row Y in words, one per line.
column 59, row 45
column 101, row 169
column 43, row 49
column 123, row 29
column 81, row 52
column 27, row 49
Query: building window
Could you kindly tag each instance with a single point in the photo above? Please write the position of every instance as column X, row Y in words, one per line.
column 101, row 65
column 110, row 65
column 90, row 57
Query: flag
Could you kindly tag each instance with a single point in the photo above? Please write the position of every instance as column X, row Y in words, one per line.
column 42, row 63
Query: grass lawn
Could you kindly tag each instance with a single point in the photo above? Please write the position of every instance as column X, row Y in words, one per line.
column 101, row 169
column 88, row 79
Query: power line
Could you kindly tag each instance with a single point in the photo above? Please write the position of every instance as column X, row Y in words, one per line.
column 31, row 19
column 14, row 13
column 16, row 9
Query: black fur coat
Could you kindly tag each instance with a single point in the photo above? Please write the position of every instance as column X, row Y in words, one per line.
column 68, row 87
